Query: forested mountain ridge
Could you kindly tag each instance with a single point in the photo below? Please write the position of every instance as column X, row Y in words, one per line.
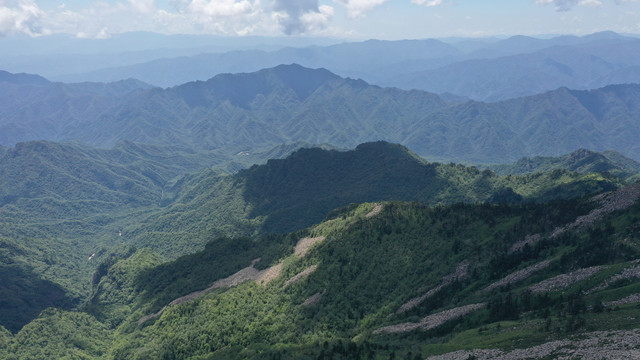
column 582, row 161
column 270, row 107
column 506, row 277
column 292, row 193
column 65, row 207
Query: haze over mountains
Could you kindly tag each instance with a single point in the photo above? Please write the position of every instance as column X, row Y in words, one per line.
column 290, row 103
column 481, row 69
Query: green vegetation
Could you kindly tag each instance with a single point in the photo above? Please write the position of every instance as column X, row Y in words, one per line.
column 286, row 195
column 250, row 112
column 76, row 206
column 390, row 225
column 581, row 161
column 367, row 267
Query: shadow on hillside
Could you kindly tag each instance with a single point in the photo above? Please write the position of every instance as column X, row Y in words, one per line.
column 23, row 295
column 301, row 190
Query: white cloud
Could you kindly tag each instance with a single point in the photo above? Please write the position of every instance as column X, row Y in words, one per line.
column 428, row 3
column 317, row 21
column 301, row 16
column 20, row 16
column 358, row 8
column 221, row 8
column 143, row 6
column 566, row 5
column 101, row 18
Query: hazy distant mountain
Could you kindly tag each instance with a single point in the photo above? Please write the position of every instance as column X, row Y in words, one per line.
column 482, row 69
column 371, row 60
column 22, row 79
column 290, row 103
column 240, row 112
column 57, row 55
column 579, row 66
column 552, row 123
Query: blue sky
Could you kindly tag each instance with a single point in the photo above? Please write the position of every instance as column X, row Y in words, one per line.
column 356, row 19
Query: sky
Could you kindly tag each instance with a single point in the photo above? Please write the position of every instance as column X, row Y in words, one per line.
column 350, row 19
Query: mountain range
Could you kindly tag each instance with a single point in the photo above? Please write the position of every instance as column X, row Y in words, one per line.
column 64, row 203
column 245, row 112
column 294, row 213
column 381, row 279
column 480, row 69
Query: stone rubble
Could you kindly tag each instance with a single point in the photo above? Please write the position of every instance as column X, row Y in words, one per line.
column 564, row 280
column 518, row 275
column 376, row 210
column 628, row 273
column 313, row 299
column 304, row 244
column 297, row 277
column 529, row 239
column 591, row 346
column 461, row 271
column 431, row 321
column 635, row 298
column 609, row 202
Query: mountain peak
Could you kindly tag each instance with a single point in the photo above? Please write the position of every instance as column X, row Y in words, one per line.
column 241, row 89
column 22, row 79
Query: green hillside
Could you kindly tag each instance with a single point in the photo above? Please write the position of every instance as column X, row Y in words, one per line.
column 376, row 280
column 68, row 208
column 251, row 112
column 582, row 161
column 290, row 194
